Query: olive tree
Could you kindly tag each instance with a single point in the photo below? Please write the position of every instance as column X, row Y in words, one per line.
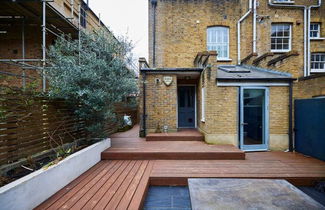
column 92, row 71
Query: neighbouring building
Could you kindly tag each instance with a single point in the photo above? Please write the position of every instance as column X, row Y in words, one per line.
column 27, row 28
column 231, row 68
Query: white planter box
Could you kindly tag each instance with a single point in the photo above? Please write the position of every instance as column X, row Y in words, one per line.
column 31, row 190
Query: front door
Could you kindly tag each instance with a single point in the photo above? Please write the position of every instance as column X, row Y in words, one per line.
column 253, row 118
column 186, row 106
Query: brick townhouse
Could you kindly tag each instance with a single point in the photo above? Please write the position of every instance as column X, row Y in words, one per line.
column 26, row 26
column 232, row 68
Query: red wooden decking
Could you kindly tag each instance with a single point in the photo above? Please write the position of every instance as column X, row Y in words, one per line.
column 293, row 167
column 126, row 147
column 122, row 184
column 108, row 185
column 129, row 149
column 181, row 135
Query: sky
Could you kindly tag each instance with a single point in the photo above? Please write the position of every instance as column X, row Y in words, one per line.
column 126, row 17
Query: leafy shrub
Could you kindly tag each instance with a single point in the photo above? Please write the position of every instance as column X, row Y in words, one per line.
column 92, row 72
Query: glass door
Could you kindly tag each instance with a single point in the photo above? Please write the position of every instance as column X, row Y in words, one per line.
column 254, row 118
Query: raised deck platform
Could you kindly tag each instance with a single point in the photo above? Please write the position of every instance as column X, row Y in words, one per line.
column 125, row 149
column 181, row 135
column 297, row 169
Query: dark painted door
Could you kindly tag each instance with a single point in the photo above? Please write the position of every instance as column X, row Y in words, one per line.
column 186, row 106
column 310, row 127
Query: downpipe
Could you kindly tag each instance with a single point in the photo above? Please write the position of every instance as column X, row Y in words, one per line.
column 238, row 31
column 307, row 12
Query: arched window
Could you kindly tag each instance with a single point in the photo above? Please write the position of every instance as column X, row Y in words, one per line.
column 218, row 40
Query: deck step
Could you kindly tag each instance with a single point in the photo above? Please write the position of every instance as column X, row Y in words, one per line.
column 174, row 150
column 181, row 135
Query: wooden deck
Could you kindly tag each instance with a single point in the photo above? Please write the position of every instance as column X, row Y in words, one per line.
column 293, row 167
column 108, row 185
column 122, row 184
column 126, row 147
column 181, row 135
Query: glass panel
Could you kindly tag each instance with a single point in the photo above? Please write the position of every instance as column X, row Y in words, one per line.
column 254, row 103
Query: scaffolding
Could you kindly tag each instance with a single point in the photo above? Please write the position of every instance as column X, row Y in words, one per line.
column 39, row 64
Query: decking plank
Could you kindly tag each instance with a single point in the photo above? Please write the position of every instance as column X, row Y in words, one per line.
column 74, row 194
column 91, row 203
column 113, row 203
column 90, row 193
column 133, row 186
column 139, row 195
column 108, row 195
column 46, row 204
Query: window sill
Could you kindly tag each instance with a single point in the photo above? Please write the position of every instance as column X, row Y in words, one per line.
column 283, row 2
column 317, row 70
column 280, row 51
column 317, row 39
column 224, row 59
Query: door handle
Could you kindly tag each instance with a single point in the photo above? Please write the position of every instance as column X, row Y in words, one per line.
column 244, row 123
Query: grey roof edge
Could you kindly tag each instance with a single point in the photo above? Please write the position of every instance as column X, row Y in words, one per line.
column 170, row 69
column 256, row 79
column 268, row 70
column 285, row 74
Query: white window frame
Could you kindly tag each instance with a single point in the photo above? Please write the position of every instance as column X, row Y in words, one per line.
column 318, row 31
column 214, row 29
column 203, row 104
column 319, row 70
column 290, row 38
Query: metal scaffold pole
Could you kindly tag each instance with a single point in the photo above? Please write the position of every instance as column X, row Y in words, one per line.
column 79, row 20
column 44, row 46
column 23, row 53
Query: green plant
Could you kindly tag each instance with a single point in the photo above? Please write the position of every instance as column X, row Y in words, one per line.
column 93, row 73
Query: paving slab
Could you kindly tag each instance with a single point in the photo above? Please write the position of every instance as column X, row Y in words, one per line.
column 210, row 194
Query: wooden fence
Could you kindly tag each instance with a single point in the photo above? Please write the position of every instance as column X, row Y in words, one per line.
column 30, row 125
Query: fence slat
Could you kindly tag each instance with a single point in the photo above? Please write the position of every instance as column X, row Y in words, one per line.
column 27, row 122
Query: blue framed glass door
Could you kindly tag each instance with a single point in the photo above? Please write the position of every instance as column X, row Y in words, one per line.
column 254, row 118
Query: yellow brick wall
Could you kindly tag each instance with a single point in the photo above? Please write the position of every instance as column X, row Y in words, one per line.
column 221, row 115
column 309, row 87
column 221, row 109
column 181, row 31
column 64, row 7
column 161, row 103
column 278, row 118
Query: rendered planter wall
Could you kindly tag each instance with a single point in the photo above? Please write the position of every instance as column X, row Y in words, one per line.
column 31, row 190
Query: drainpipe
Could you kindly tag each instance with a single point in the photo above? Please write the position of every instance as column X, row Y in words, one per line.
column 290, row 119
column 305, row 41
column 154, row 5
column 144, row 115
column 306, row 30
column 238, row 30
column 308, row 35
column 254, row 26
